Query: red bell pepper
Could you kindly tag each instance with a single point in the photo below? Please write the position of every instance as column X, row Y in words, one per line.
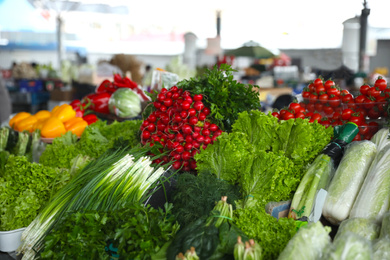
column 75, row 103
column 90, row 119
column 124, row 82
column 106, row 86
column 100, row 102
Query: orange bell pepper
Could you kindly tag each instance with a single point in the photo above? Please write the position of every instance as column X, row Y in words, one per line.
column 53, row 127
column 72, row 121
column 18, row 117
column 54, row 109
column 78, row 127
column 26, row 124
column 64, row 112
column 39, row 124
column 42, row 114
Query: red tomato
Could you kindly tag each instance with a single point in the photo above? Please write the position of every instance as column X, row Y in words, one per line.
column 364, row 88
column 337, row 122
column 300, row 115
column 312, row 87
column 346, row 114
column 320, row 89
column 288, row 115
column 325, row 122
column 373, row 113
column 334, row 101
column 309, row 114
column 363, row 129
column 282, row 111
column 373, row 92
column 351, row 105
column 361, row 112
column 356, row 119
column 374, row 127
column 323, row 98
column 333, row 91
column 347, row 98
column 357, row 138
column 305, row 94
column 336, row 116
column 276, row 114
column 294, row 106
column 319, row 107
column 316, row 116
column 310, row 107
column 328, row 110
column 344, row 92
column 360, row 99
column 328, row 84
column 313, row 98
column 369, row 104
column 318, row 82
column 380, row 83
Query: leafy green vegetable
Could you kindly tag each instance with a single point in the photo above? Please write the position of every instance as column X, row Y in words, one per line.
column 308, row 243
column 61, row 152
column 225, row 96
column 95, row 140
column 195, row 196
column 272, row 234
column 381, row 248
column 137, row 232
column 267, row 177
column 347, row 180
column 225, row 157
column 349, row 246
column 125, row 103
column 25, row 188
column 360, row 226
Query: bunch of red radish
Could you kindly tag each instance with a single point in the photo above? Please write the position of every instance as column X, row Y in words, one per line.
column 181, row 124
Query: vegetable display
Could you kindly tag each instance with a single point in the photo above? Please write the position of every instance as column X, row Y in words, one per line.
column 347, row 180
column 125, row 103
column 118, row 178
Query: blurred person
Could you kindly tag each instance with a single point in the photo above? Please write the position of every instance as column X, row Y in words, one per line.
column 5, row 102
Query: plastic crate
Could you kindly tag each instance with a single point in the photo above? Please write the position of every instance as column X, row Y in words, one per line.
column 26, row 85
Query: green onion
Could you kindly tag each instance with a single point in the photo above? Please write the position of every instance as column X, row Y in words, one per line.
column 111, row 182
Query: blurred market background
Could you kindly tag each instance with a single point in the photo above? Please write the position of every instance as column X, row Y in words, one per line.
column 52, row 52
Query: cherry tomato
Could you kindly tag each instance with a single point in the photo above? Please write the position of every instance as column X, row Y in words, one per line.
column 363, row 129
column 313, row 98
column 319, row 107
column 356, row 119
column 360, row 99
column 380, row 83
column 305, row 94
column 346, row 114
column 300, row 115
column 336, row 116
column 318, row 82
column 294, row 106
column 310, row 107
column 316, row 116
column 373, row 113
column 364, row 88
column 287, row 115
column 333, row 91
column 276, row 114
column 311, row 87
column 325, row 122
column 328, row 110
column 357, row 138
column 320, row 89
column 329, row 83
column 373, row 92
column 334, row 101
column 374, row 127
column 347, row 98
column 369, row 104
column 323, row 98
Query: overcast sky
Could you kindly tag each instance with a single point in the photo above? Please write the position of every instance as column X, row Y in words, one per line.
column 272, row 23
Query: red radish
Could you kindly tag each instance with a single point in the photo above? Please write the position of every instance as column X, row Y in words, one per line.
column 198, row 97
column 176, row 165
column 160, row 97
column 198, row 105
column 195, row 145
column 206, row 111
column 201, row 116
column 152, row 118
column 197, row 128
column 189, row 99
column 200, row 139
column 175, row 96
column 185, row 105
column 179, row 138
column 189, row 140
column 188, row 146
column 206, row 132
column 213, row 127
column 186, row 155
column 206, row 124
column 193, row 120
column 179, row 148
column 164, row 90
column 192, row 111
column 145, row 134
column 186, row 129
column 195, row 135
column 168, row 94
column 207, row 140
column 183, row 114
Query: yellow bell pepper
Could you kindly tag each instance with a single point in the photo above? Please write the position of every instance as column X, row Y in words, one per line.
column 64, row 112
column 54, row 109
column 26, row 124
column 39, row 124
column 78, row 127
column 18, row 117
column 53, row 127
column 72, row 121
column 42, row 114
